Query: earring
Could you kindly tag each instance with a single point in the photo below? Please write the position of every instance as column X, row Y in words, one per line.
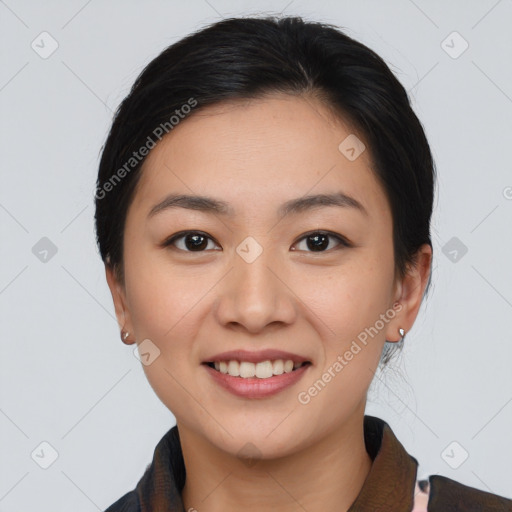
column 124, row 335
column 402, row 334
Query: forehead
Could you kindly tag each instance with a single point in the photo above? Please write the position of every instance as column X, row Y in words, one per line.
column 260, row 152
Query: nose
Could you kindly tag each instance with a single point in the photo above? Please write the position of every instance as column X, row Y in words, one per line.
column 254, row 296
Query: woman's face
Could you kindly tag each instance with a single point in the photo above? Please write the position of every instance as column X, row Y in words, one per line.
column 251, row 276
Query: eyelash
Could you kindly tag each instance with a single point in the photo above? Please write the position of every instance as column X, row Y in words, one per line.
column 343, row 242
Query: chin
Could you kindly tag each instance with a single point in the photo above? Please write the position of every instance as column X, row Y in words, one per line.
column 260, row 438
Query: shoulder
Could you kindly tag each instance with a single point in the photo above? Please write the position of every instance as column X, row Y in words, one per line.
column 127, row 503
column 446, row 495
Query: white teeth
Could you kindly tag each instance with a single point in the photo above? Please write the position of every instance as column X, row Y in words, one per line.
column 278, row 367
column 234, row 368
column 247, row 370
column 262, row 370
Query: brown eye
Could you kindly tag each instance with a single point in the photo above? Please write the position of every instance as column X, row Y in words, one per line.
column 190, row 241
column 320, row 241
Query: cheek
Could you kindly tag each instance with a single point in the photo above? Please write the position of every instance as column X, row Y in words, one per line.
column 163, row 299
column 168, row 307
column 164, row 309
column 348, row 303
column 349, row 298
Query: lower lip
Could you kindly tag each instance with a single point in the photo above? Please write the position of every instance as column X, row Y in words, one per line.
column 254, row 387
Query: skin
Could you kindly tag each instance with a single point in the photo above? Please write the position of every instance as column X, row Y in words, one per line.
column 256, row 155
column 420, row 499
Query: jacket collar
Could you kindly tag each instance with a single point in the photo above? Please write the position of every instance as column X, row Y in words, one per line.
column 389, row 486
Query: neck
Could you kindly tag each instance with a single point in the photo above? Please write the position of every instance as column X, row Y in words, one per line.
column 327, row 476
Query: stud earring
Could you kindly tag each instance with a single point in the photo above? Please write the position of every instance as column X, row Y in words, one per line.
column 124, row 335
column 402, row 334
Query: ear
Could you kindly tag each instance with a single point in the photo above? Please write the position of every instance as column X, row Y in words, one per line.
column 119, row 298
column 409, row 293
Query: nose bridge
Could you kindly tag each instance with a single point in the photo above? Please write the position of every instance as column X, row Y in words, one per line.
column 253, row 295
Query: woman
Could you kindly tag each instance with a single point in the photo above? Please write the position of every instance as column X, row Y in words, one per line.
column 263, row 211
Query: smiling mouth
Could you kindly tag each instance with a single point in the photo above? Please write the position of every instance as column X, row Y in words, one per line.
column 262, row 370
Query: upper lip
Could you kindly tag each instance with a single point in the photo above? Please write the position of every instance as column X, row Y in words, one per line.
column 256, row 356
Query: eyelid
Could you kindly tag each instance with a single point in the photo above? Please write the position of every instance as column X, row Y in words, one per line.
column 169, row 242
column 343, row 241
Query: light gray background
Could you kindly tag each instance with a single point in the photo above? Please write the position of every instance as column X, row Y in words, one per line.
column 67, row 379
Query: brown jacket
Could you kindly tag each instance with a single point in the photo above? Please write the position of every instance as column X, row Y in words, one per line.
column 390, row 486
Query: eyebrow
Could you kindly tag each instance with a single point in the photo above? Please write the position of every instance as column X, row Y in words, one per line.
column 293, row 206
